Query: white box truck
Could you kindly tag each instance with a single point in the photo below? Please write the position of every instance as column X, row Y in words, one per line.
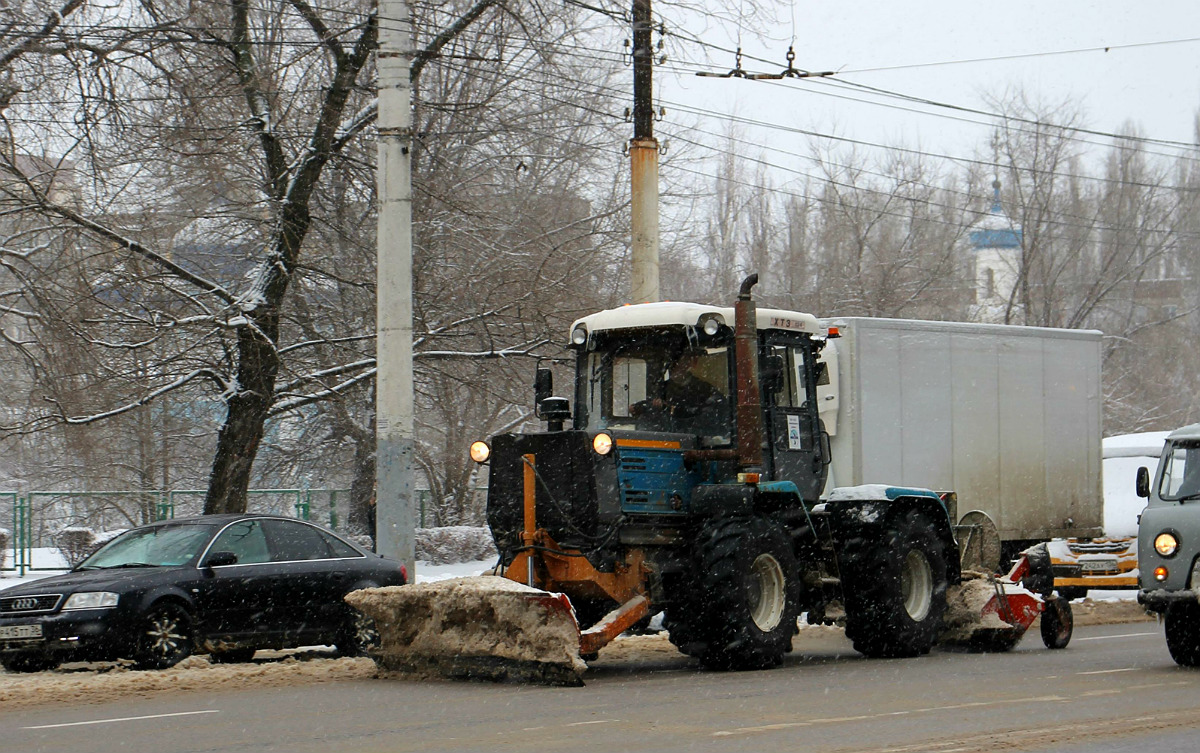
column 1009, row 418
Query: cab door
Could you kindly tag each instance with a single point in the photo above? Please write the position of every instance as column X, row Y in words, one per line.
column 794, row 433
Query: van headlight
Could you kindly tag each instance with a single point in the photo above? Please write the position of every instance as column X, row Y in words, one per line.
column 1166, row 544
column 91, row 600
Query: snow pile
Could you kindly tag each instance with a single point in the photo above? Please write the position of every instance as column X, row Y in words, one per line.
column 964, row 623
column 117, row 682
column 5, row 537
column 451, row 544
column 483, row 627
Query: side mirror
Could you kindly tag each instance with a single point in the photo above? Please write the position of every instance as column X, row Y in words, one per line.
column 1143, row 482
column 771, row 376
column 221, row 559
column 543, row 386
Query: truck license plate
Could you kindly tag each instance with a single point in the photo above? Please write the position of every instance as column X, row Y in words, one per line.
column 1098, row 566
column 20, row 632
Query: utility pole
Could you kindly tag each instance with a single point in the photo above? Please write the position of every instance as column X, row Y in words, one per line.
column 394, row 442
column 643, row 158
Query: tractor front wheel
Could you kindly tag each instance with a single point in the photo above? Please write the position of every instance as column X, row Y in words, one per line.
column 750, row 587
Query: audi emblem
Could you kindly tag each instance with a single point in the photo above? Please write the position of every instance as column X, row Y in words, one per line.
column 21, row 605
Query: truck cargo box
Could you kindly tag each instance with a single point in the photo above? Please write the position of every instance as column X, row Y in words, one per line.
column 1007, row 417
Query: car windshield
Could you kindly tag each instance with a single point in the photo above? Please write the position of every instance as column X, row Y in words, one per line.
column 1181, row 472
column 158, row 546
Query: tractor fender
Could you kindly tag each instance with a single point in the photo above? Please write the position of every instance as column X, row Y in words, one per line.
column 722, row 500
column 860, row 510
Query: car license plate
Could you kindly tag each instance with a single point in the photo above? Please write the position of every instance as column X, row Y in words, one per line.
column 1099, row 566
column 20, row 632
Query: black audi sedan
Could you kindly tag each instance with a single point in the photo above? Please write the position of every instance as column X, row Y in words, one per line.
column 227, row 585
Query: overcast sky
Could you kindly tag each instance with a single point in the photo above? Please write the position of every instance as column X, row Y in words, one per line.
column 1150, row 75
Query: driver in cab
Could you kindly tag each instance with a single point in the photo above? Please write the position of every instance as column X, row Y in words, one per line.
column 685, row 396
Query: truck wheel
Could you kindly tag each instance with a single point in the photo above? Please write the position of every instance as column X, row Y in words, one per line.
column 895, row 589
column 750, row 593
column 1057, row 623
column 1183, row 633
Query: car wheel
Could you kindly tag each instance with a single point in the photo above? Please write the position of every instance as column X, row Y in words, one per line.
column 1057, row 623
column 165, row 637
column 232, row 656
column 1183, row 633
column 896, row 589
column 28, row 662
column 360, row 636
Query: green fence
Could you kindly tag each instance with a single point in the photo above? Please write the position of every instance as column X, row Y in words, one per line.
column 37, row 515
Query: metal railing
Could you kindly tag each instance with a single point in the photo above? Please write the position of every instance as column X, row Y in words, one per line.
column 37, row 515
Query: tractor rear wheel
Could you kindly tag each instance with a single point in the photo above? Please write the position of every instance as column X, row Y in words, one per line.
column 750, row 590
column 895, row 588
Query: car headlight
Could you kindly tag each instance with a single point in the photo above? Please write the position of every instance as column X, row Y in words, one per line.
column 91, row 600
column 1166, row 544
column 579, row 335
column 602, row 443
column 480, row 452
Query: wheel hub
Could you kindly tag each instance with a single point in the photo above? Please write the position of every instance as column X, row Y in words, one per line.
column 916, row 585
column 767, row 592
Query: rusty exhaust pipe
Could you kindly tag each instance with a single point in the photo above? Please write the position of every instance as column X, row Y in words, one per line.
column 749, row 397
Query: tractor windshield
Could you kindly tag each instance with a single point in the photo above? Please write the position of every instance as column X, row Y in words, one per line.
column 646, row 386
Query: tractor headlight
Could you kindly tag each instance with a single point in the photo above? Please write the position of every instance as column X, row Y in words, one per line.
column 480, row 452
column 1166, row 544
column 579, row 335
column 710, row 324
column 602, row 443
column 91, row 600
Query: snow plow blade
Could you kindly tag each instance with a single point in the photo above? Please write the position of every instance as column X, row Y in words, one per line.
column 479, row 628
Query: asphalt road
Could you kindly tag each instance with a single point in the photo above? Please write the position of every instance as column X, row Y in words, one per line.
column 1114, row 686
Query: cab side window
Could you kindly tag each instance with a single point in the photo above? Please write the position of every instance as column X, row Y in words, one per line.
column 245, row 539
column 293, row 541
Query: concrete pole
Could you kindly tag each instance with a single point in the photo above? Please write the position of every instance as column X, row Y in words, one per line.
column 394, row 494
column 643, row 161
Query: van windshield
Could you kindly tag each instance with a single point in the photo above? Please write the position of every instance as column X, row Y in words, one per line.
column 1181, row 472
column 647, row 387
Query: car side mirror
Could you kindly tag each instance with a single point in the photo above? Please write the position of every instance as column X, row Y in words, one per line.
column 1143, row 482
column 221, row 559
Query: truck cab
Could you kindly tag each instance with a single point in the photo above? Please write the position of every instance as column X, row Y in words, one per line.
column 1169, row 542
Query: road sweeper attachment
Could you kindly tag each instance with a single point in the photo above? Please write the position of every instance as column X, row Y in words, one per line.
column 991, row 613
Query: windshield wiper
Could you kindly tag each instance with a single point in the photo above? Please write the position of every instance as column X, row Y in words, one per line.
column 117, row 567
column 1186, row 497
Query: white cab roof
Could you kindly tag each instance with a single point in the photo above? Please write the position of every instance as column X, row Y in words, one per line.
column 670, row 313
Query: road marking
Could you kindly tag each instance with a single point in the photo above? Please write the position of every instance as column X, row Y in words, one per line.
column 841, row 719
column 598, row 721
column 123, row 719
column 1110, row 637
column 1108, row 671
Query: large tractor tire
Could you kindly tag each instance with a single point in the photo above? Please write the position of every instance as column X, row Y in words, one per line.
column 895, row 588
column 1183, row 633
column 749, row 589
